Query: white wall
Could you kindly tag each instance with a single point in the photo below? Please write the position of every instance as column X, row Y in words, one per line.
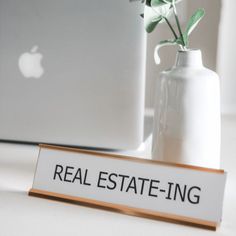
column 204, row 37
column 227, row 56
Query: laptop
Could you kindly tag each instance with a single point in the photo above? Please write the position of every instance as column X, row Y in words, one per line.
column 72, row 72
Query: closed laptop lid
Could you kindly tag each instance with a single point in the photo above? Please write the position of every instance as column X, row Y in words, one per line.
column 72, row 72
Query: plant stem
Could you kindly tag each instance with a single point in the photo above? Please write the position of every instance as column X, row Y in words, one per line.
column 178, row 24
column 171, row 28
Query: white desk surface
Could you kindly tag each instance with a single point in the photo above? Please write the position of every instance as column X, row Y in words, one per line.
column 29, row 216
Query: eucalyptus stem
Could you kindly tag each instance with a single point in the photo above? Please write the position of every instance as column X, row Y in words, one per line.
column 178, row 24
column 171, row 28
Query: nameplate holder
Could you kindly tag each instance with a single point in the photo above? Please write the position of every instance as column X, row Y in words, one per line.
column 145, row 188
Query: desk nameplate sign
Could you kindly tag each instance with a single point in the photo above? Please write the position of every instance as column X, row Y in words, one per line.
column 172, row 192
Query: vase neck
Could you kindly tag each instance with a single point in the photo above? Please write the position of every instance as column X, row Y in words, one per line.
column 190, row 58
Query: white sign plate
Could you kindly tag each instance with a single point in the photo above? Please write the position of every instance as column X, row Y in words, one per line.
column 187, row 194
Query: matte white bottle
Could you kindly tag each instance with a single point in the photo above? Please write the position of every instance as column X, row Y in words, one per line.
column 187, row 123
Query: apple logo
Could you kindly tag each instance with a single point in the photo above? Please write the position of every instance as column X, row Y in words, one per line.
column 30, row 64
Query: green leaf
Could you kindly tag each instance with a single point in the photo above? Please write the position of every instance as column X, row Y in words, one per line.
column 194, row 20
column 148, row 2
column 157, row 2
column 151, row 19
column 152, row 25
column 155, row 15
column 181, row 42
column 186, row 41
column 160, row 45
column 162, row 2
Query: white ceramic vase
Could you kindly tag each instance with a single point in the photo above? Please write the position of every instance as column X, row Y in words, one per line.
column 187, row 123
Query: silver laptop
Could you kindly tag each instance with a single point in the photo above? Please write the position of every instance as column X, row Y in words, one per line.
column 72, row 72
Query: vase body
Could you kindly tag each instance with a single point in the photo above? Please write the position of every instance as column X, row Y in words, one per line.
column 187, row 123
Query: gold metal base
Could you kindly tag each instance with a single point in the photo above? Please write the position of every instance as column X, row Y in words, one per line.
column 125, row 209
